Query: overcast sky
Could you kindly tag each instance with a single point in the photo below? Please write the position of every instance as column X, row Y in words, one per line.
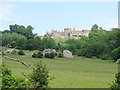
column 47, row 16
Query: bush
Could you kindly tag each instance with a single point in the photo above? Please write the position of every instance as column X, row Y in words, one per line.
column 39, row 54
column 47, row 55
column 104, row 57
column 116, row 82
column 8, row 81
column 78, row 52
column 21, row 52
column 116, row 53
column 14, row 51
column 55, row 54
column 34, row 55
column 94, row 57
column 52, row 55
column 60, row 55
column 39, row 77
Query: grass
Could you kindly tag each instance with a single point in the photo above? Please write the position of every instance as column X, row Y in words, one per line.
column 79, row 72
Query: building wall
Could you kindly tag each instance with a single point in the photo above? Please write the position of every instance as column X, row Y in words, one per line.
column 68, row 33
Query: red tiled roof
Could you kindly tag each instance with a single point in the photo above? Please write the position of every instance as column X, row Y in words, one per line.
column 60, row 32
column 54, row 31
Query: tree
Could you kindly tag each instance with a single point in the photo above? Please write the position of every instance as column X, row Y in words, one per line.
column 51, row 42
column 60, row 54
column 31, row 44
column 20, row 52
column 94, row 28
column 39, row 76
column 6, row 31
column 8, row 81
column 13, row 28
column 30, row 27
column 34, row 55
column 52, row 55
column 39, row 54
column 116, row 82
column 20, row 29
column 116, row 53
column 13, row 39
column 21, row 43
column 47, row 55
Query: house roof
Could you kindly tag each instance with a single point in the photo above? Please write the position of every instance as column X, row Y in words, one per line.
column 54, row 31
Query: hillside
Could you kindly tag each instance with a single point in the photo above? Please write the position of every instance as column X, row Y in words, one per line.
column 79, row 72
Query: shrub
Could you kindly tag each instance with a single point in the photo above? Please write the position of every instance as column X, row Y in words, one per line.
column 22, row 83
column 116, row 53
column 52, row 55
column 14, row 51
column 39, row 77
column 94, row 57
column 34, row 55
column 60, row 55
column 47, row 55
column 73, row 52
column 8, row 81
column 21, row 52
column 5, row 70
column 104, row 57
column 116, row 82
column 55, row 54
column 39, row 54
column 78, row 52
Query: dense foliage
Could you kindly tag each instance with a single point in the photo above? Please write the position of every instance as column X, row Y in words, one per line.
column 21, row 52
column 8, row 81
column 38, row 78
column 100, row 43
column 20, row 29
column 116, row 82
column 34, row 55
column 50, row 55
column 60, row 54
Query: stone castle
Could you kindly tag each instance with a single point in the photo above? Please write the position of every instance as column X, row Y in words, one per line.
column 68, row 33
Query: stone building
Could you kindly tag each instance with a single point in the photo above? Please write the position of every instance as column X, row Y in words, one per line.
column 68, row 33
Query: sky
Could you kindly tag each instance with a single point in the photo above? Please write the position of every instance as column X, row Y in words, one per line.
column 47, row 16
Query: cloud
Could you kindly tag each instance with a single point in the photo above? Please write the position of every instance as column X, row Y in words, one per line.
column 6, row 12
column 108, row 23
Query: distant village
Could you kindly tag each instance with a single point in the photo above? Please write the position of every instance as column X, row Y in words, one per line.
column 67, row 33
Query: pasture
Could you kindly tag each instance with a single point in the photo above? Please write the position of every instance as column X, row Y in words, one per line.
column 79, row 72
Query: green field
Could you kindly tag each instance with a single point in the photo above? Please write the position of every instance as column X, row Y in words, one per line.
column 79, row 72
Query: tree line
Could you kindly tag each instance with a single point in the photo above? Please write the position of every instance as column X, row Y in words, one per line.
column 99, row 44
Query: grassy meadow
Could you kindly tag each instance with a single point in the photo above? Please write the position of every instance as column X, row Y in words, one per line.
column 79, row 72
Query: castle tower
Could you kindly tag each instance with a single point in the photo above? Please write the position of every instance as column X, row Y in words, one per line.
column 67, row 32
column 74, row 29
